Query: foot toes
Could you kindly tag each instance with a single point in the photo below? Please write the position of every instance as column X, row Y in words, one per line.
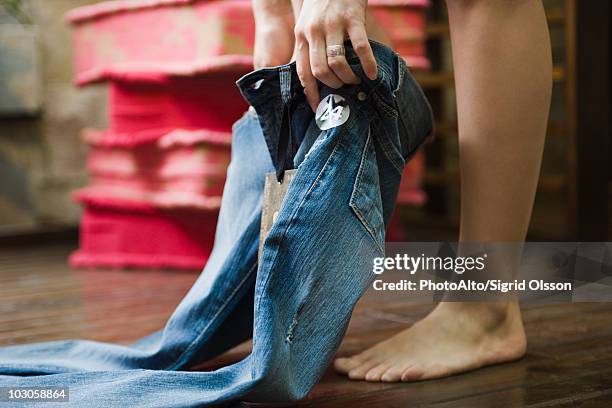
column 359, row 373
column 393, row 374
column 413, row 373
column 375, row 373
column 346, row 364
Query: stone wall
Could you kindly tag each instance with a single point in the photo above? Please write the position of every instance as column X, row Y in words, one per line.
column 42, row 159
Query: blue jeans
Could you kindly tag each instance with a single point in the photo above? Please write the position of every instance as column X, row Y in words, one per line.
column 315, row 264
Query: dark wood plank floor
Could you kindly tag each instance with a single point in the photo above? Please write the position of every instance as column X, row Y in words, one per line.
column 568, row 364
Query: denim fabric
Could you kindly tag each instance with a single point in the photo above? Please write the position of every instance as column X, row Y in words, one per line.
column 315, row 264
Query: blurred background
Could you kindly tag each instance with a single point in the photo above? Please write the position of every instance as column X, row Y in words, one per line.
column 115, row 131
column 108, row 123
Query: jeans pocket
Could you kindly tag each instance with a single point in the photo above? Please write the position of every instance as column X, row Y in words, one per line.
column 366, row 200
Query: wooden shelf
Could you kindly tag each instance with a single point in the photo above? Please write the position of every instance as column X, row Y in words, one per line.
column 438, row 79
column 436, row 29
column 555, row 16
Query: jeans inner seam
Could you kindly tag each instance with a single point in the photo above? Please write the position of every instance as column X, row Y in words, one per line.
column 221, row 308
column 337, row 143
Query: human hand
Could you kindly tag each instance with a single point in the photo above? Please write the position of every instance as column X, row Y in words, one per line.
column 274, row 39
column 324, row 23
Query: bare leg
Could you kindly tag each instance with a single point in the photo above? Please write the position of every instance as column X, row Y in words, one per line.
column 502, row 60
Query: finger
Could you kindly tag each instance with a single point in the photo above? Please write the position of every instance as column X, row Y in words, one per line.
column 338, row 63
column 361, row 45
column 302, row 61
column 318, row 62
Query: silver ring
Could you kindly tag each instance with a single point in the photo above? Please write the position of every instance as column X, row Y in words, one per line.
column 335, row 51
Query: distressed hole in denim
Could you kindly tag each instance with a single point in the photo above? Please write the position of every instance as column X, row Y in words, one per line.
column 290, row 330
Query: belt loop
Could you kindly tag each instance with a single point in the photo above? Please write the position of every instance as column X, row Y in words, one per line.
column 285, row 83
column 285, row 141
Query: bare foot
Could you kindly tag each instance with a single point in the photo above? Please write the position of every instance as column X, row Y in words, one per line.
column 453, row 338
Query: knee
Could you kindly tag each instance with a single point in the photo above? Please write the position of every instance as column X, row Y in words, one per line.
column 278, row 388
column 280, row 381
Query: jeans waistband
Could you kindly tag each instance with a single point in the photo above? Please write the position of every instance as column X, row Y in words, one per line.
column 282, row 83
column 276, row 93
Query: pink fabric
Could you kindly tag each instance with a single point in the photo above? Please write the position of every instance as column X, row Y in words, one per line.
column 400, row 3
column 124, row 41
column 105, row 8
column 157, row 173
column 396, row 232
column 207, row 102
column 157, row 71
column 406, row 30
column 144, row 238
column 164, row 137
column 176, row 171
column 188, row 37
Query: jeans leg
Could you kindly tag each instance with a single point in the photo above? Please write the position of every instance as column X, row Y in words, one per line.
column 297, row 278
column 315, row 264
column 221, row 298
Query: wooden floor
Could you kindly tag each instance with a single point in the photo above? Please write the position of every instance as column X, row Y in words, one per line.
column 568, row 364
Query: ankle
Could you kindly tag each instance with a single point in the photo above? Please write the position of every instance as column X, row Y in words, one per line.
column 486, row 314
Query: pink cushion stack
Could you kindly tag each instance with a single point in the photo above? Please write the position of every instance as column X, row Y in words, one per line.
column 157, row 172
